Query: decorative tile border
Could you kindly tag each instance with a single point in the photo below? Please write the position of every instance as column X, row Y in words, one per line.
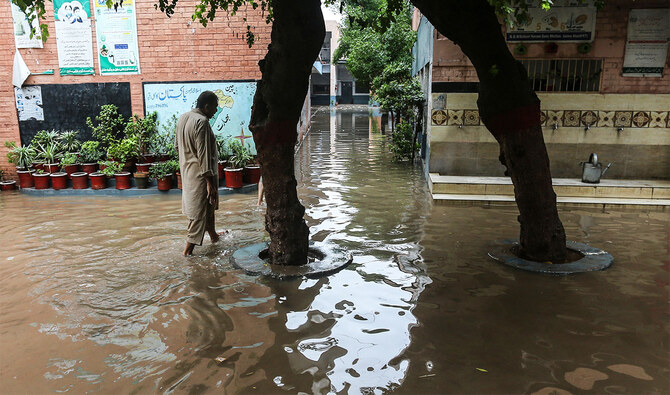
column 566, row 118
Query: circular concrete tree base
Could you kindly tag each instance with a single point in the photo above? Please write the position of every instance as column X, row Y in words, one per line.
column 325, row 259
column 592, row 259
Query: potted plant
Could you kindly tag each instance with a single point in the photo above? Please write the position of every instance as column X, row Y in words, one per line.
column 90, row 154
column 23, row 158
column 40, row 179
column 141, row 179
column 162, row 172
column 252, row 171
column 124, row 151
column 162, row 143
column 236, row 163
column 79, row 180
column 6, row 185
column 122, row 177
column 143, row 129
column 99, row 179
column 223, row 148
column 69, row 164
column 108, row 127
column 59, row 180
column 49, row 154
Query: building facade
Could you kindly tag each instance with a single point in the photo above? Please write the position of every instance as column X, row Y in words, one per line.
column 332, row 83
column 177, row 59
column 602, row 77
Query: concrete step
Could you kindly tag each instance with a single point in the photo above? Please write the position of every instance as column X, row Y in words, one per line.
column 564, row 188
column 446, row 198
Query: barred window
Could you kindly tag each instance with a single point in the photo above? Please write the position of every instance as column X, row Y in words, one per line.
column 564, row 75
column 319, row 89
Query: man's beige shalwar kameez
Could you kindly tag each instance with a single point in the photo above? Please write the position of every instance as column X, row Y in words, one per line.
column 198, row 158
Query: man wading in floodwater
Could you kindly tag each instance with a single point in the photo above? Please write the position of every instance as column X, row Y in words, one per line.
column 198, row 158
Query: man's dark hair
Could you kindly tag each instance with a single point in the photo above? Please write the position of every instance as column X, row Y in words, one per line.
column 206, row 97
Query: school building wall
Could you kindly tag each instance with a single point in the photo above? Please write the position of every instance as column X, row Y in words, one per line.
column 627, row 121
column 170, row 49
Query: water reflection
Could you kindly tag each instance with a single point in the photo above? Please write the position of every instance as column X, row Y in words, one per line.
column 95, row 296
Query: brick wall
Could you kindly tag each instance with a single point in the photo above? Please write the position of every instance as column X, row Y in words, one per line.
column 450, row 64
column 170, row 49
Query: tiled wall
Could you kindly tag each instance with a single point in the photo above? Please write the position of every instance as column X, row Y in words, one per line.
column 633, row 131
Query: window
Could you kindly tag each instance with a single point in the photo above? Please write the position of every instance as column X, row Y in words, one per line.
column 564, row 75
column 320, row 89
column 361, row 88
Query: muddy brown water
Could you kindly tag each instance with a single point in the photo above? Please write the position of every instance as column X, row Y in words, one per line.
column 95, row 298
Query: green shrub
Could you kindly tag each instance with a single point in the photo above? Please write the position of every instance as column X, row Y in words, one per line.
column 162, row 169
column 68, row 159
column 111, row 168
column 90, row 152
column 240, row 157
column 123, row 150
column 402, row 145
column 109, row 125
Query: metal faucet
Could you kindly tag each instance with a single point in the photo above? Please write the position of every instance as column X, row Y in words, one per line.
column 555, row 126
column 587, row 128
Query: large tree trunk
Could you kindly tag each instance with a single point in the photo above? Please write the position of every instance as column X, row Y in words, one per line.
column 298, row 32
column 510, row 110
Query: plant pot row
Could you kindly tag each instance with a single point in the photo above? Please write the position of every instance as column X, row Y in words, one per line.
column 235, row 178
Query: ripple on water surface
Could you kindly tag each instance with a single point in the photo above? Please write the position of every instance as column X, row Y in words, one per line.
column 95, row 296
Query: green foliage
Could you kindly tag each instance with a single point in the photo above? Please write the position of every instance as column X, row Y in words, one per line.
column 375, row 35
column 110, row 168
column 109, row 125
column 223, row 146
column 44, row 138
column 162, row 169
column 68, row 141
column 48, row 152
column 402, row 144
column 240, row 155
column 124, row 150
column 90, row 152
column 396, row 91
column 20, row 156
column 163, row 142
column 68, row 159
column 144, row 129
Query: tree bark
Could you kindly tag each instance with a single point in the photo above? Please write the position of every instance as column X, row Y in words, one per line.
column 510, row 109
column 298, row 32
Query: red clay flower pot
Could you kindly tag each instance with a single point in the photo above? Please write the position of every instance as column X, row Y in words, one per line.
column 222, row 166
column 98, row 180
column 69, row 169
column 59, row 180
column 128, row 166
column 41, row 180
column 164, row 158
column 79, row 180
column 89, row 167
column 8, row 185
column 143, row 167
column 51, row 167
column 165, row 183
column 178, row 180
column 234, row 177
column 38, row 166
column 122, row 180
column 252, row 174
column 25, row 178
column 148, row 158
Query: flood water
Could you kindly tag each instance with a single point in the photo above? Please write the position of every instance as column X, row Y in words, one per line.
column 95, row 297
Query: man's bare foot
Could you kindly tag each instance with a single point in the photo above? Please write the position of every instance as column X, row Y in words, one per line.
column 188, row 250
column 217, row 236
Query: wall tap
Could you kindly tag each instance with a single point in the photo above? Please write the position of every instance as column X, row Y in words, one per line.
column 620, row 129
column 587, row 128
column 555, row 126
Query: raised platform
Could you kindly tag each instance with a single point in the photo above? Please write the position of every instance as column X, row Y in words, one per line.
column 461, row 189
column 134, row 191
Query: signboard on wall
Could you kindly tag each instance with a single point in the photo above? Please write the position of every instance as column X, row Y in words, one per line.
column 23, row 27
column 647, row 43
column 73, row 37
column 232, row 115
column 116, row 36
column 565, row 21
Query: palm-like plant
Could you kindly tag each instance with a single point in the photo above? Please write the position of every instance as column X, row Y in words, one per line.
column 20, row 156
column 49, row 152
column 240, row 157
column 68, row 141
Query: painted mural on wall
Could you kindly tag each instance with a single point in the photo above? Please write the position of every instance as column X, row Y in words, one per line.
column 74, row 37
column 566, row 21
column 23, row 28
column 231, row 118
column 116, row 36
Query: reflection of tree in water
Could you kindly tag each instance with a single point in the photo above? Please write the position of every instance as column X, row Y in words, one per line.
column 344, row 332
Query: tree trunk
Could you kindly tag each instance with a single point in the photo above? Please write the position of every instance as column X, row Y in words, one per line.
column 510, row 109
column 298, row 32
